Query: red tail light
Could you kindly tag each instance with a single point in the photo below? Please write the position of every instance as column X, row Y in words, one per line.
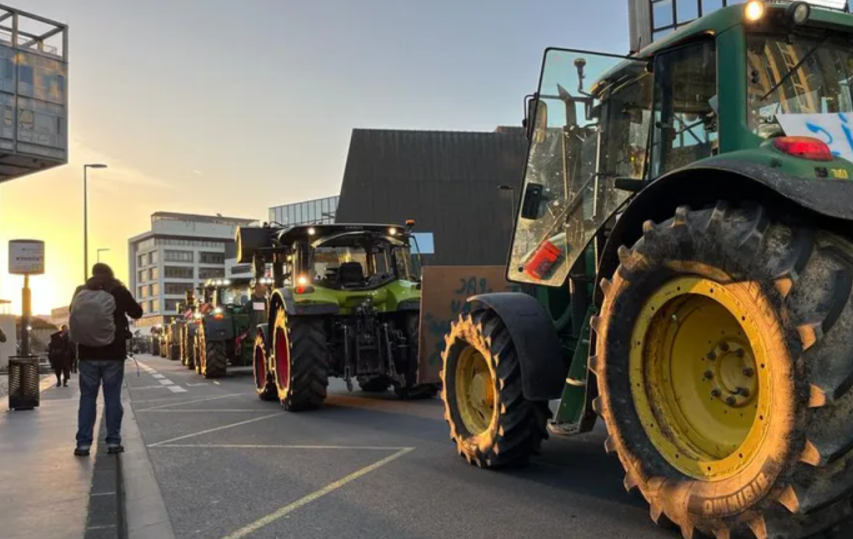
column 804, row 148
column 543, row 260
column 300, row 289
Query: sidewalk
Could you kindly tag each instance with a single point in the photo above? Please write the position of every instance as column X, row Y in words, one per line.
column 44, row 489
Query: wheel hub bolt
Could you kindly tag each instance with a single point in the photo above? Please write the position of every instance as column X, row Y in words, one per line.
column 749, row 372
column 711, row 355
column 743, row 391
column 709, row 374
column 730, row 401
column 724, row 346
column 716, row 392
column 739, row 352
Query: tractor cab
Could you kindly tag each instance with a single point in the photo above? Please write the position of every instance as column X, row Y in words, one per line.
column 225, row 294
column 765, row 82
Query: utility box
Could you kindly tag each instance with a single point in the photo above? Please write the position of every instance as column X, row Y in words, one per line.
column 33, row 93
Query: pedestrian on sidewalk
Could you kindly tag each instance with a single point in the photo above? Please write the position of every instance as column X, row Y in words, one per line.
column 99, row 327
column 61, row 354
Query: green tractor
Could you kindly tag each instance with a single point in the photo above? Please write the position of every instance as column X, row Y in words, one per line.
column 346, row 304
column 173, row 338
column 155, row 340
column 190, row 320
column 225, row 331
column 692, row 253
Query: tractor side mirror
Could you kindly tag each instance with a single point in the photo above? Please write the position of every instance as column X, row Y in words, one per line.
column 532, row 200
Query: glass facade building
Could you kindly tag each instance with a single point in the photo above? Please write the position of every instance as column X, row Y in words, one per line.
column 320, row 211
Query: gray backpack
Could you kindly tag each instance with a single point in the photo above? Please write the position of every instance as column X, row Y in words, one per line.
column 91, row 321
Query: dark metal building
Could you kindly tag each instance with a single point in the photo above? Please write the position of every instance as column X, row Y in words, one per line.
column 447, row 181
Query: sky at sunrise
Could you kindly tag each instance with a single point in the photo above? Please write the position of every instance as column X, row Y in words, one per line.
column 206, row 106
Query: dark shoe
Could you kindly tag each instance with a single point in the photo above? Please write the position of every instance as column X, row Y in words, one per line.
column 82, row 451
column 58, row 384
column 114, row 449
column 65, row 383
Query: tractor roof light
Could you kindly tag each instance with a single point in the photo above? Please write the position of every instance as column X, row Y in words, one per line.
column 799, row 12
column 311, row 231
column 804, row 148
column 754, row 10
column 392, row 231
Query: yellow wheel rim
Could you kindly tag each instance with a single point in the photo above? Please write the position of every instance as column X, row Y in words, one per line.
column 699, row 377
column 475, row 391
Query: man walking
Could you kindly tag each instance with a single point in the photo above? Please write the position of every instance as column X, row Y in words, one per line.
column 99, row 326
column 61, row 355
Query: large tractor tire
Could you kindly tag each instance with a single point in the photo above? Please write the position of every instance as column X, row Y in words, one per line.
column 215, row 359
column 174, row 352
column 412, row 390
column 491, row 422
column 264, row 382
column 724, row 362
column 182, row 347
column 190, row 351
column 301, row 361
column 376, row 384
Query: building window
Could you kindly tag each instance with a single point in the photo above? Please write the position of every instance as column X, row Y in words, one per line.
column 178, row 256
column 141, row 276
column 140, row 292
column 177, row 288
column 152, row 257
column 171, row 305
column 152, row 306
column 212, row 258
column 143, row 290
column 141, row 260
column 211, row 273
column 155, row 274
column 241, row 269
column 155, row 289
column 177, row 272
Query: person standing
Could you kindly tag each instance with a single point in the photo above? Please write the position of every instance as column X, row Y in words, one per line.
column 61, row 354
column 99, row 327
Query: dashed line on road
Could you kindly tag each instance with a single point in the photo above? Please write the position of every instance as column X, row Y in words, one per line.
column 206, row 410
column 156, row 375
column 166, row 382
column 176, row 389
column 216, row 429
column 191, row 401
column 273, row 446
column 287, row 509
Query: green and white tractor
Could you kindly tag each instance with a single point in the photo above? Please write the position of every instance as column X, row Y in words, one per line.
column 226, row 323
column 346, row 304
column 685, row 216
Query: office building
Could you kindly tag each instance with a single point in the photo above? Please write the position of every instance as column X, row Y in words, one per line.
column 310, row 212
column 179, row 253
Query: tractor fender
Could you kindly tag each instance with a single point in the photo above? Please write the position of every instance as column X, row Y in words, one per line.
column 218, row 330
column 829, row 202
column 293, row 307
column 543, row 365
column 264, row 330
column 409, row 305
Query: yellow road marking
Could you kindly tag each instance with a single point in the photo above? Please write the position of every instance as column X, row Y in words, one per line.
column 272, row 517
column 216, row 429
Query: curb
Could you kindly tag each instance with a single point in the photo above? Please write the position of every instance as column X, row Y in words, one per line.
column 144, row 512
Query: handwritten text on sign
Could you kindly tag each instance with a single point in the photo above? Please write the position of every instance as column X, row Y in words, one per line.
column 836, row 130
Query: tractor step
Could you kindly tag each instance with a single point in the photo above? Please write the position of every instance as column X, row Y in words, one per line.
column 564, row 429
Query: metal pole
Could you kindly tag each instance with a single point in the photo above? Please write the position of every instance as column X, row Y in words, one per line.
column 85, row 226
column 25, row 317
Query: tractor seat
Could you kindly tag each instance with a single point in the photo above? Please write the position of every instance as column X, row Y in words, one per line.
column 350, row 273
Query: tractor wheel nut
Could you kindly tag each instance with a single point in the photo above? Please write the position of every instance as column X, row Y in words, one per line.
column 739, row 352
column 709, row 375
column 730, row 401
column 711, row 355
column 716, row 392
column 749, row 372
column 724, row 346
column 742, row 391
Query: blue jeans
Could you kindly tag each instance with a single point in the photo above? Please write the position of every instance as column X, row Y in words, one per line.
column 92, row 374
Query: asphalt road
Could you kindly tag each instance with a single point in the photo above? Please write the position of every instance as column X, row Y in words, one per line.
column 230, row 465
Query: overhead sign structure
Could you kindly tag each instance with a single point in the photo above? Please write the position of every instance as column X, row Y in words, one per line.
column 26, row 257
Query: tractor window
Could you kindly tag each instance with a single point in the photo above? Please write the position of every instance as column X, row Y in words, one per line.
column 591, row 126
column 233, row 296
column 328, row 262
column 685, row 107
column 796, row 75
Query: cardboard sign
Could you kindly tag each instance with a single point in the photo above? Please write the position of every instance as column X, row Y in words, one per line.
column 26, row 257
column 446, row 290
column 835, row 129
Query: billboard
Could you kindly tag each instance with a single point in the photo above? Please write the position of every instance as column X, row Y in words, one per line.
column 26, row 257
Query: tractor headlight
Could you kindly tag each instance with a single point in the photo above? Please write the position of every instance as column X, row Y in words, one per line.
column 302, row 280
column 754, row 10
column 392, row 231
column 799, row 12
column 311, row 231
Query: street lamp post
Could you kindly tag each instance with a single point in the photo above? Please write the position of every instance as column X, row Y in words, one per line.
column 102, row 250
column 86, row 218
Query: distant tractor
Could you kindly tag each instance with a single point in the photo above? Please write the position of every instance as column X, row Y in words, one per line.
column 191, row 318
column 686, row 218
column 346, row 304
column 155, row 340
column 226, row 330
column 173, row 339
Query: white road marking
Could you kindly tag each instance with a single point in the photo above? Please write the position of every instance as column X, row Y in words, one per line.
column 148, row 387
column 273, row 446
column 284, row 511
column 215, row 382
column 166, row 382
column 158, row 376
column 216, row 429
column 190, row 401
column 176, row 389
column 197, row 385
column 205, row 411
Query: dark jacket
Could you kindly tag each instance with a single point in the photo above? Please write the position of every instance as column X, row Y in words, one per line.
column 61, row 352
column 125, row 306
